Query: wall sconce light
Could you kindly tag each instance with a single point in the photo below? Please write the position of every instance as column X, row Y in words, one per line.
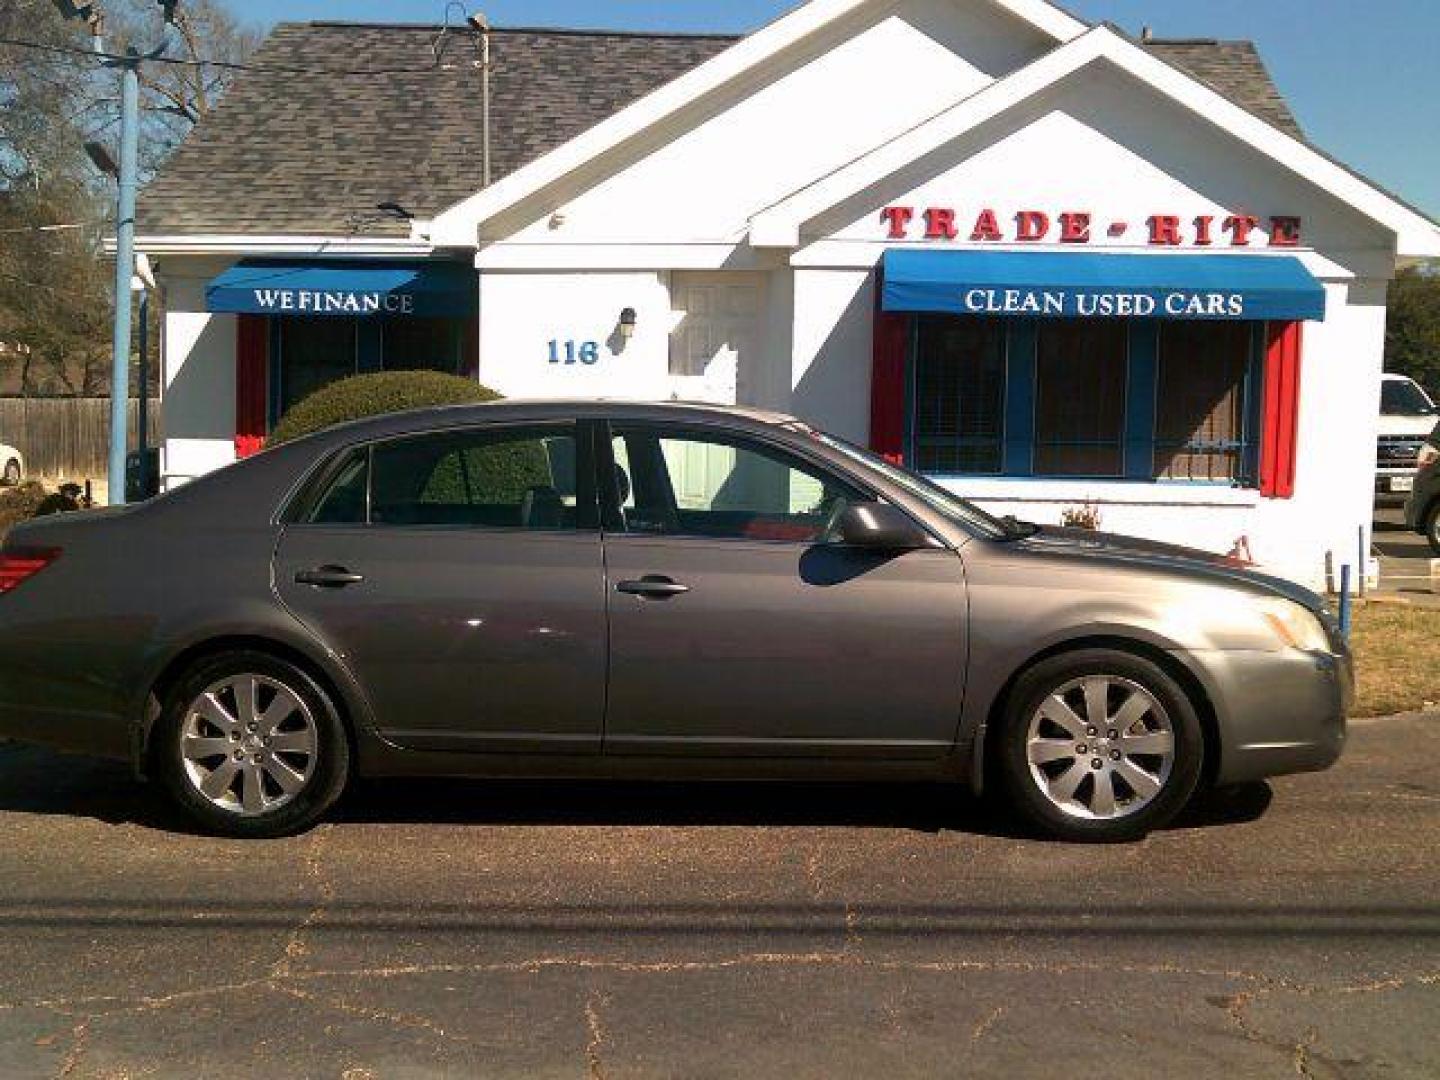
column 628, row 319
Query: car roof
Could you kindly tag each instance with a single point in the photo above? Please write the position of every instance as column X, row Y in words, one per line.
column 520, row 410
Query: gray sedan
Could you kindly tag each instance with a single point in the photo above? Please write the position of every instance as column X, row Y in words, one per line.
column 573, row 590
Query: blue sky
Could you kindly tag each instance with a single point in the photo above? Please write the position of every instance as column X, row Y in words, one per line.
column 1362, row 77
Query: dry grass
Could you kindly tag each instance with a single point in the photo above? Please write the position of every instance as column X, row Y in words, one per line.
column 1397, row 659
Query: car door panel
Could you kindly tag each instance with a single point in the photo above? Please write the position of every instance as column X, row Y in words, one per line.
column 763, row 639
column 463, row 639
column 460, row 576
column 781, row 649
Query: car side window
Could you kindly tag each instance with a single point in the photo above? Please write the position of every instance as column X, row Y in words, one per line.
column 698, row 484
column 515, row 478
column 343, row 501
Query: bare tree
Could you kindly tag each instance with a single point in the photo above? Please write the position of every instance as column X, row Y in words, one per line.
column 55, row 208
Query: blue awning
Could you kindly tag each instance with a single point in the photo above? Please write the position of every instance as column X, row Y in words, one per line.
column 1072, row 285
column 345, row 289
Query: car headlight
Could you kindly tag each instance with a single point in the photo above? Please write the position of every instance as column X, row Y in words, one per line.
column 1294, row 626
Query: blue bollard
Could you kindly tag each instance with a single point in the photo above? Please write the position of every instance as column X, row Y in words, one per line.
column 1345, row 602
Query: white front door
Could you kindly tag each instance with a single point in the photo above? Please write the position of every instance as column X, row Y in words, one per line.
column 713, row 348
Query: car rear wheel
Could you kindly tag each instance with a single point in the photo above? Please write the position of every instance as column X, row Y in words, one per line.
column 250, row 746
column 1099, row 746
column 12, row 473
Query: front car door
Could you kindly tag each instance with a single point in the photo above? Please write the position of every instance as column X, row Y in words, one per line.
column 736, row 630
column 460, row 576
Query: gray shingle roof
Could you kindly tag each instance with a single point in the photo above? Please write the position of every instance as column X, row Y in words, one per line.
column 1235, row 69
column 314, row 153
column 297, row 147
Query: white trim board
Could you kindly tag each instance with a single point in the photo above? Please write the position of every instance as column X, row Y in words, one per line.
column 221, row 244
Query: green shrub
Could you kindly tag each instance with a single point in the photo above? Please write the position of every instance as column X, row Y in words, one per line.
column 375, row 395
column 494, row 475
column 20, row 504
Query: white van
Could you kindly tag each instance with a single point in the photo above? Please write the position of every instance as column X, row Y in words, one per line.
column 1407, row 416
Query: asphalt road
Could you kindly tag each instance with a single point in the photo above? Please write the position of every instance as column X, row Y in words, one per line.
column 736, row 930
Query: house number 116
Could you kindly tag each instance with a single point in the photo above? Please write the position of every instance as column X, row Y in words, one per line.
column 574, row 352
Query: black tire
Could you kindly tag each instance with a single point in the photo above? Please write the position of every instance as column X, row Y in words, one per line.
column 1018, row 777
column 12, row 473
column 1432, row 526
column 326, row 777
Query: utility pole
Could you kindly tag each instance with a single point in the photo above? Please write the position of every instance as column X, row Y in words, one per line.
column 129, row 180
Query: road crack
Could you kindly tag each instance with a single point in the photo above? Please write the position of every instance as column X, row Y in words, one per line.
column 984, row 1027
column 412, row 1021
column 597, row 1039
column 1302, row 1054
column 295, row 946
column 80, row 1035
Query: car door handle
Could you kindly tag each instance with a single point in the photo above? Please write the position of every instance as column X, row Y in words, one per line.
column 653, row 588
column 328, row 577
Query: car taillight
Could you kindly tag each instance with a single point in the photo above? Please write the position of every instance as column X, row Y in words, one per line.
column 19, row 564
column 1428, row 456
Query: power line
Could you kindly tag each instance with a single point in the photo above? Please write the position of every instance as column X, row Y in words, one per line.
column 53, row 228
column 227, row 65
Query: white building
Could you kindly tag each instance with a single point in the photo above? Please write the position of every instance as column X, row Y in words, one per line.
column 1044, row 263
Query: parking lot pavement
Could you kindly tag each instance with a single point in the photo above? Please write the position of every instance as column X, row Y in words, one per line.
column 729, row 930
column 1404, row 555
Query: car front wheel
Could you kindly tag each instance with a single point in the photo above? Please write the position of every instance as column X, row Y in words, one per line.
column 250, row 746
column 1099, row 746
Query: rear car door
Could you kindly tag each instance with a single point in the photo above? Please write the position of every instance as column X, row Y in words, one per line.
column 736, row 630
column 460, row 576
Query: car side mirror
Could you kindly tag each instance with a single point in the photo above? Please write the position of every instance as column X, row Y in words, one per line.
column 878, row 527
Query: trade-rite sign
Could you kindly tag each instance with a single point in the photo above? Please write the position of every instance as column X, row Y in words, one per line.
column 1080, row 227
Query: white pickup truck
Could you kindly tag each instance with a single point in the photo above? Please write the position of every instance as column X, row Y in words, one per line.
column 1407, row 417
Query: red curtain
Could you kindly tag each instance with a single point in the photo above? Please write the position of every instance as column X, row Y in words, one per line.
column 252, row 377
column 1280, row 432
column 887, row 384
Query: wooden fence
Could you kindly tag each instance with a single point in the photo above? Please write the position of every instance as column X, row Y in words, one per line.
column 67, row 438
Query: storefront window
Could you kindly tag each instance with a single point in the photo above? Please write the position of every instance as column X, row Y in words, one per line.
column 1200, row 417
column 314, row 352
column 311, row 352
column 1123, row 399
column 959, row 395
column 423, row 345
column 1080, row 385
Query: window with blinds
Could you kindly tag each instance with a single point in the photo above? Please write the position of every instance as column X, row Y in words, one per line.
column 1085, row 398
column 1081, row 370
column 959, row 395
column 1201, row 401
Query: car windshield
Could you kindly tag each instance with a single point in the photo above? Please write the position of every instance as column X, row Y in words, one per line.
column 1401, row 397
column 943, row 502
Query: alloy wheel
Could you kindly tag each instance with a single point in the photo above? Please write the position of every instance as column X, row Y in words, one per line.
column 1100, row 748
column 249, row 744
